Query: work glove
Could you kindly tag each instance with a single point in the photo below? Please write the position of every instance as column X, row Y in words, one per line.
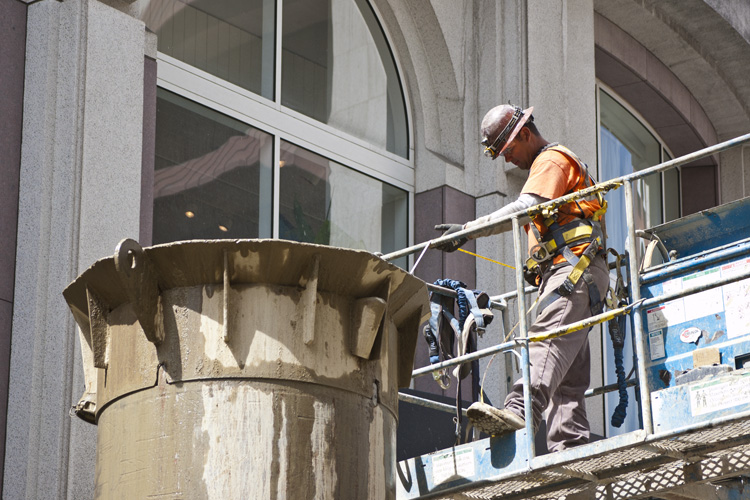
column 451, row 246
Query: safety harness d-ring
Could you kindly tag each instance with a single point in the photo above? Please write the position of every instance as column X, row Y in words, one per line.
column 539, row 253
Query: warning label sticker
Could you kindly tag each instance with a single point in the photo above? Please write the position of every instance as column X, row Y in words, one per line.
column 719, row 395
column 671, row 313
column 452, row 465
column 656, row 344
column 737, row 299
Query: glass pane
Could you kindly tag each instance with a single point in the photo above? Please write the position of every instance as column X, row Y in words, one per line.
column 327, row 203
column 336, row 68
column 232, row 39
column 649, row 190
column 627, row 146
column 213, row 176
column 671, row 192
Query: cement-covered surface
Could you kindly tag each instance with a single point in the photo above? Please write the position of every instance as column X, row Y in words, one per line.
column 240, row 439
column 257, row 358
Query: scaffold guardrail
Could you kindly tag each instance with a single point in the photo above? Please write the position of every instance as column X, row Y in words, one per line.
column 630, row 465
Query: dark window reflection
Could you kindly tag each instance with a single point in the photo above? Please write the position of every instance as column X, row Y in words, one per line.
column 336, row 67
column 324, row 202
column 212, row 177
column 232, row 39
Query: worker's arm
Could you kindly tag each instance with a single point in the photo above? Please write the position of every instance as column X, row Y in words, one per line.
column 525, row 201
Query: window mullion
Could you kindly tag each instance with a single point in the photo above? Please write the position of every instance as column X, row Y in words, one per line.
column 278, row 37
column 276, row 182
column 268, row 62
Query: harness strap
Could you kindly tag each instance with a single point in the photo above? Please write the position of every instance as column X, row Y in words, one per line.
column 570, row 256
column 548, row 300
column 596, row 304
column 439, row 333
column 444, row 328
column 586, row 179
column 468, row 340
column 561, row 238
column 474, row 309
column 595, row 299
column 566, row 288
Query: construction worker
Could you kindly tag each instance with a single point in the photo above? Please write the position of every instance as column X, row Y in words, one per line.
column 571, row 236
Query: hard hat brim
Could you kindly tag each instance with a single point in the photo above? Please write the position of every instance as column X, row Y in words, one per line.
column 521, row 122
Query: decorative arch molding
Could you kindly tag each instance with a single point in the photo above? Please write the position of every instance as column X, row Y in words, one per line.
column 429, row 75
column 699, row 47
column 651, row 89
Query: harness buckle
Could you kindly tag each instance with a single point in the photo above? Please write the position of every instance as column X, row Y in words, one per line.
column 566, row 288
column 532, row 276
column 442, row 378
column 539, row 253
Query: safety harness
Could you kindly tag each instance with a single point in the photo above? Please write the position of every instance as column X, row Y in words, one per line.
column 555, row 248
column 444, row 328
column 574, row 224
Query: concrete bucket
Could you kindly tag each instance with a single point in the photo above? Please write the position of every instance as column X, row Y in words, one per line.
column 253, row 369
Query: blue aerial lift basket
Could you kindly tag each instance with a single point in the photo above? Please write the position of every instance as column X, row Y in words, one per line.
column 698, row 345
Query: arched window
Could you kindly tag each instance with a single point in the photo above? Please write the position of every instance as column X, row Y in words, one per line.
column 279, row 118
column 628, row 144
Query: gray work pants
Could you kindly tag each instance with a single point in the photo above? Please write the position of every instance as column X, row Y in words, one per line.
column 560, row 367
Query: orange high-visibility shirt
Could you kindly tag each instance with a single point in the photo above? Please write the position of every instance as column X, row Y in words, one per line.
column 554, row 174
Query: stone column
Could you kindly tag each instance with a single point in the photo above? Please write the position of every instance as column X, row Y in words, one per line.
column 79, row 195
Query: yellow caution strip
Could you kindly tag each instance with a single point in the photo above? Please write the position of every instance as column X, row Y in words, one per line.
column 485, row 258
column 593, row 321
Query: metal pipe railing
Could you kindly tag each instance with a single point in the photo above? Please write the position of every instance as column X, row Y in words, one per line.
column 448, row 408
column 523, row 332
column 637, row 304
column 506, row 346
column 428, row 403
column 635, row 295
column 660, row 299
column 579, row 325
column 459, row 360
column 600, row 187
column 500, row 305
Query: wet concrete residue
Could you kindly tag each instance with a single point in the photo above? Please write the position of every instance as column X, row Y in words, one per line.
column 264, row 360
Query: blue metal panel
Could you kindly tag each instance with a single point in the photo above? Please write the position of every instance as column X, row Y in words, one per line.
column 715, row 317
column 706, row 230
column 711, row 245
column 477, row 462
column 701, row 401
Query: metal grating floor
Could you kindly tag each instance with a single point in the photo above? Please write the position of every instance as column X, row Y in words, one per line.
column 638, row 470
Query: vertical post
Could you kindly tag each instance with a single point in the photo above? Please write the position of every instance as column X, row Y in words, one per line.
column 268, row 171
column 635, row 294
column 268, row 72
column 523, row 332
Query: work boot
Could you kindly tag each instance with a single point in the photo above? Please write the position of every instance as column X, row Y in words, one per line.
column 494, row 421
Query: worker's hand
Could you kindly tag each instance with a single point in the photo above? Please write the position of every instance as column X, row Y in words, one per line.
column 450, row 246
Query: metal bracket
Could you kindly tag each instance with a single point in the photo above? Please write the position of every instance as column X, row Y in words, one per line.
column 308, row 300
column 367, row 316
column 140, row 280
column 227, row 287
column 98, row 325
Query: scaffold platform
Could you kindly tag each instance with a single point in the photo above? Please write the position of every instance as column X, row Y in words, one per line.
column 689, row 312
